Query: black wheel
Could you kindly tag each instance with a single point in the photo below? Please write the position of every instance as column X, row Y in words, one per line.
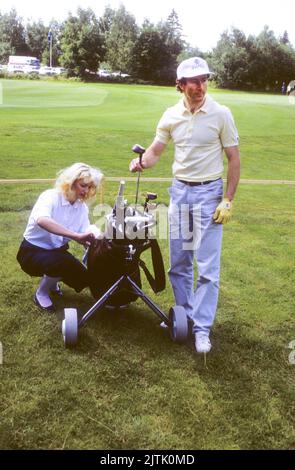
column 179, row 326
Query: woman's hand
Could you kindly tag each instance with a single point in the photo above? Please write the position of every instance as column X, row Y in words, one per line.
column 53, row 227
column 84, row 238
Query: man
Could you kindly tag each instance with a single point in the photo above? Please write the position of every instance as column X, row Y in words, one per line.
column 201, row 130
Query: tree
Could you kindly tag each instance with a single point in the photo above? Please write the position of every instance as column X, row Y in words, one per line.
column 36, row 34
column 120, row 40
column 230, row 59
column 150, row 55
column 285, row 38
column 12, row 34
column 189, row 51
column 106, row 20
column 277, row 60
column 56, row 31
column 157, row 50
column 172, row 31
column 105, row 23
column 81, row 43
column 261, row 62
column 171, row 35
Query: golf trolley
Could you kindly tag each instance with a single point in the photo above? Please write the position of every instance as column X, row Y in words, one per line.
column 114, row 263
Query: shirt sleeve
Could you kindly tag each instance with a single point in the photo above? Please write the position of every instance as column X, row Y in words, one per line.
column 43, row 207
column 163, row 134
column 229, row 134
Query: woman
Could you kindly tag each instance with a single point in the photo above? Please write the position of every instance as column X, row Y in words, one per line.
column 59, row 215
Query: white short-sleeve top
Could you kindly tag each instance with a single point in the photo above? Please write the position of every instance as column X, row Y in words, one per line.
column 53, row 204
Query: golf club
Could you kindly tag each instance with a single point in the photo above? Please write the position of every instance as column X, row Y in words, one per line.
column 140, row 151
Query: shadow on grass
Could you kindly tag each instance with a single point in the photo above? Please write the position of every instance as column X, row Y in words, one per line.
column 127, row 385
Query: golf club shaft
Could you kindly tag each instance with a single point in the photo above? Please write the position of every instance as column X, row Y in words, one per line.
column 137, row 185
column 140, row 151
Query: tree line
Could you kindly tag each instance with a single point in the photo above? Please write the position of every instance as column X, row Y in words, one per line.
column 150, row 52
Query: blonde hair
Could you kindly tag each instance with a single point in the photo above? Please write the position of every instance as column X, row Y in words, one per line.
column 78, row 171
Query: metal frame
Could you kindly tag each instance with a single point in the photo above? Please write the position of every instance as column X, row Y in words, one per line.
column 124, row 282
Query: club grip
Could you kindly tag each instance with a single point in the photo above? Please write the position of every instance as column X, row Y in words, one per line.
column 139, row 150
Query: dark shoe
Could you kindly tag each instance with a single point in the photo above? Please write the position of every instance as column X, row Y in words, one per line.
column 50, row 308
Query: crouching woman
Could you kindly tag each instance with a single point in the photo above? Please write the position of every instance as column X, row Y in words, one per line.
column 59, row 216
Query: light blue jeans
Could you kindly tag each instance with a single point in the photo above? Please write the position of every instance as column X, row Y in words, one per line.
column 194, row 235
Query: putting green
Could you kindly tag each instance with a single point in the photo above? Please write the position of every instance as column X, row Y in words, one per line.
column 41, row 94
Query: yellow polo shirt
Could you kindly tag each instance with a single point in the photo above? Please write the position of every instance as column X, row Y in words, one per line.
column 199, row 139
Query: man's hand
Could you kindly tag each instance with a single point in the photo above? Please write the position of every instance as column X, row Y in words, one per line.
column 135, row 165
column 149, row 158
column 223, row 212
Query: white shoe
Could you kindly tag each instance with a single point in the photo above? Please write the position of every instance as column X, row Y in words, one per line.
column 42, row 298
column 43, row 302
column 202, row 342
column 163, row 325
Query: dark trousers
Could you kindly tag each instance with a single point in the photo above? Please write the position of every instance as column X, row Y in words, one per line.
column 58, row 262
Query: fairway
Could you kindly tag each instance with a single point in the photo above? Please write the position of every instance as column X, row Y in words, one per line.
column 127, row 385
column 45, row 126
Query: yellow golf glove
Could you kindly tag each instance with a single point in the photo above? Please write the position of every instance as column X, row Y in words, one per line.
column 223, row 211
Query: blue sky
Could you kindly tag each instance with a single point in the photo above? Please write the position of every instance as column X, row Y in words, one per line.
column 202, row 22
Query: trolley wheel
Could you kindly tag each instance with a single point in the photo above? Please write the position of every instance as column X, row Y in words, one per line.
column 179, row 326
column 70, row 327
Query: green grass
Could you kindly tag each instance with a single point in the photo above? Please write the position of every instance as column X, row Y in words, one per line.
column 126, row 385
column 46, row 125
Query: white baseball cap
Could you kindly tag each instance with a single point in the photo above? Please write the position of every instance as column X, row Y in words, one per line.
column 193, row 67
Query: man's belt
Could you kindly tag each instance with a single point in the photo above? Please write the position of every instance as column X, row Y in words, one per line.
column 196, row 183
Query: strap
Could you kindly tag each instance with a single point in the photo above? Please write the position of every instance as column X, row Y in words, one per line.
column 157, row 283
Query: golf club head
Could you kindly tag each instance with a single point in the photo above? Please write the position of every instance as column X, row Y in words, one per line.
column 151, row 196
column 138, row 149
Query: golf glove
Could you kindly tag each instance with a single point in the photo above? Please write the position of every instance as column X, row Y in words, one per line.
column 223, row 212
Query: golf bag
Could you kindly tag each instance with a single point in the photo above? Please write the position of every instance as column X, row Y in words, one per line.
column 118, row 254
column 108, row 260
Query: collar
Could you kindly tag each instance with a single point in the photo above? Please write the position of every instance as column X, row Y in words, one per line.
column 204, row 108
column 65, row 202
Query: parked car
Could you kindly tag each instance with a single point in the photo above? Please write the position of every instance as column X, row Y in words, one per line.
column 45, row 70
column 104, row 73
column 59, row 70
column 120, row 74
column 22, row 64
